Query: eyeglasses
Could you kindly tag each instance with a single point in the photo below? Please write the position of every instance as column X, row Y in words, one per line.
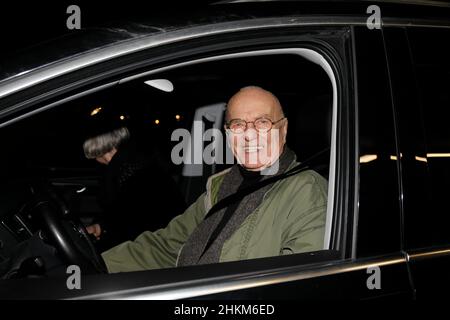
column 261, row 125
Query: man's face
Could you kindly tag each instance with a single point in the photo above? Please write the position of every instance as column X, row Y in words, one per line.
column 256, row 150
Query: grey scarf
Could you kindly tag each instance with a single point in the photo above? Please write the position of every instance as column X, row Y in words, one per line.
column 192, row 250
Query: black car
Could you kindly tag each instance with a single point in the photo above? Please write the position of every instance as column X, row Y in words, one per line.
column 368, row 82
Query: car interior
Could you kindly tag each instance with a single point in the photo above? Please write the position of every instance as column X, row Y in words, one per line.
column 47, row 183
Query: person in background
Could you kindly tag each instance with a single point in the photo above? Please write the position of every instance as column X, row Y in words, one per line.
column 135, row 183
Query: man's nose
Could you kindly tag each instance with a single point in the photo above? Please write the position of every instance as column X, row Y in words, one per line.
column 250, row 133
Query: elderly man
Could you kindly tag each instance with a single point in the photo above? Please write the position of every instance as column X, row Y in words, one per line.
column 284, row 217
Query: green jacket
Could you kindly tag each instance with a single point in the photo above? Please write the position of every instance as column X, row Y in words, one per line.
column 290, row 219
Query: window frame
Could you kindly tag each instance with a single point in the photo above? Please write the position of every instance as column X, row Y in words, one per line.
column 340, row 64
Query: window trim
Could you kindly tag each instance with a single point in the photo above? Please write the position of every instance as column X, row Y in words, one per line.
column 36, row 76
column 202, row 287
column 333, row 62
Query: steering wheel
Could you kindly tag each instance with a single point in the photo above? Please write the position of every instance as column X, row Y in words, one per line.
column 65, row 231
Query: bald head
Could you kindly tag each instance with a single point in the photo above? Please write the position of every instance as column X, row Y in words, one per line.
column 252, row 97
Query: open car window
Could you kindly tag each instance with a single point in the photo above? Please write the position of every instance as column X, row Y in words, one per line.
column 174, row 113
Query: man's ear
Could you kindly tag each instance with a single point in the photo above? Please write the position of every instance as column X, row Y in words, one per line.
column 285, row 127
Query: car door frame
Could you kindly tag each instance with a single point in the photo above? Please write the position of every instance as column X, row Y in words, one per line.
column 329, row 277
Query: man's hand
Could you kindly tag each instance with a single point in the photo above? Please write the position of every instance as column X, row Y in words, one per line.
column 94, row 229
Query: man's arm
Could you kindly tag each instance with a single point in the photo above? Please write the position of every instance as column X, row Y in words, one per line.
column 305, row 225
column 159, row 249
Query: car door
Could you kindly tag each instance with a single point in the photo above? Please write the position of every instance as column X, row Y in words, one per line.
column 364, row 258
column 420, row 71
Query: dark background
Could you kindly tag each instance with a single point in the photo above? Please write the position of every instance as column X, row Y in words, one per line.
column 25, row 24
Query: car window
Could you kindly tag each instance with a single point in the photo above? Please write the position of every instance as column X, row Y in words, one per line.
column 161, row 108
column 430, row 54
